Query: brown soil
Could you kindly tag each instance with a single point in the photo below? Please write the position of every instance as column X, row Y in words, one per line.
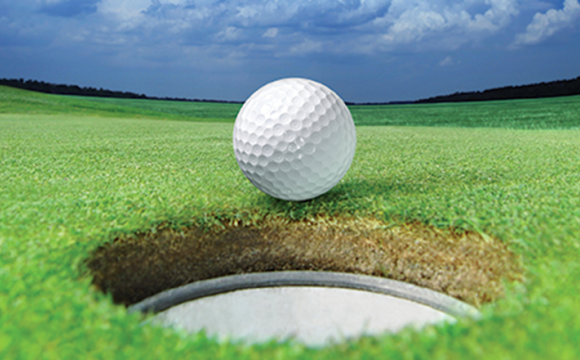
column 464, row 265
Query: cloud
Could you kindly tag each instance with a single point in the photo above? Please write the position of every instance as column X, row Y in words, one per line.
column 230, row 34
column 123, row 8
column 69, row 8
column 448, row 61
column 306, row 46
column 254, row 28
column 304, row 14
column 545, row 25
column 271, row 33
column 449, row 23
column 351, row 26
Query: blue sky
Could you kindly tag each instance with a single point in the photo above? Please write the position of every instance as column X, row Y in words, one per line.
column 366, row 50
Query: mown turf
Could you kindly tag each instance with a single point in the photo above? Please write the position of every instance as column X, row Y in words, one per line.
column 17, row 101
column 71, row 182
column 225, row 112
column 548, row 113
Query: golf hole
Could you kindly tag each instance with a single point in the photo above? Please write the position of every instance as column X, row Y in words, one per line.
column 316, row 281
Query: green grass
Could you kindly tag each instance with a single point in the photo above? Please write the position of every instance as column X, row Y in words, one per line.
column 204, row 110
column 74, row 177
column 16, row 101
column 549, row 113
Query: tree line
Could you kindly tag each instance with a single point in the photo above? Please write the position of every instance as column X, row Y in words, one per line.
column 63, row 89
column 531, row 91
column 538, row 90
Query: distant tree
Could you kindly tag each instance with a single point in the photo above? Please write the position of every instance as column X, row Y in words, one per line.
column 63, row 89
column 531, row 91
column 544, row 89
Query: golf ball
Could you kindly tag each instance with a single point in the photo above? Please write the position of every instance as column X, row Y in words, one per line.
column 294, row 139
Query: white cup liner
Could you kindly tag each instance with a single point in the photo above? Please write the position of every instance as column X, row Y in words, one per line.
column 310, row 307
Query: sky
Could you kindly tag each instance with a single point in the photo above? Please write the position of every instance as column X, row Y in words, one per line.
column 365, row 50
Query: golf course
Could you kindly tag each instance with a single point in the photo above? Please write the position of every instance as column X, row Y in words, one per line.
column 484, row 197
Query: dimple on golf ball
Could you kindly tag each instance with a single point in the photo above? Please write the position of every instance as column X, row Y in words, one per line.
column 294, row 139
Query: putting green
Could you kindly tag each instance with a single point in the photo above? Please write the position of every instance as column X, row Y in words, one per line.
column 71, row 182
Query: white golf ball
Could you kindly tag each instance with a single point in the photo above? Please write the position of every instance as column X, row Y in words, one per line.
column 294, row 139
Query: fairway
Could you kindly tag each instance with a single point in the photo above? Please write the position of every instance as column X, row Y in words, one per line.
column 77, row 173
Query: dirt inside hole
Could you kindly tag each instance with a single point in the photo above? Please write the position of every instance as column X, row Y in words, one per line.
column 464, row 265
